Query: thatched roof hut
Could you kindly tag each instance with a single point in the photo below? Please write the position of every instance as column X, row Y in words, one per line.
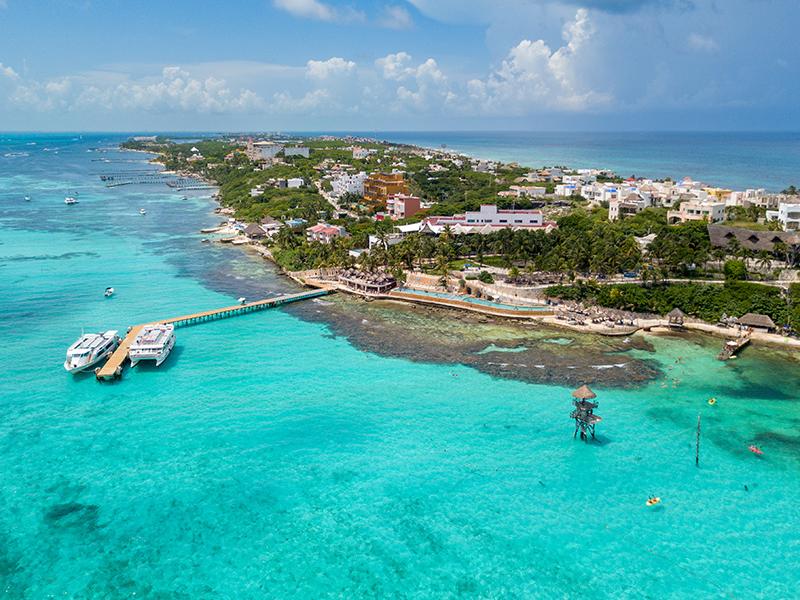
column 676, row 317
column 584, row 393
column 757, row 321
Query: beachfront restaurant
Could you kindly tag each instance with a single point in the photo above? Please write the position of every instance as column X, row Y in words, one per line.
column 367, row 283
column 757, row 322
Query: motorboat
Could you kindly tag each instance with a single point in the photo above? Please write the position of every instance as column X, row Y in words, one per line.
column 90, row 349
column 109, row 292
column 142, row 211
column 154, row 342
column 242, row 300
column 70, row 200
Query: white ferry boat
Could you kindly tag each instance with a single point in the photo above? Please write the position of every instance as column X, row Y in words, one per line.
column 90, row 349
column 154, row 342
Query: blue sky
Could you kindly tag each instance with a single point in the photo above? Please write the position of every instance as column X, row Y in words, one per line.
column 399, row 64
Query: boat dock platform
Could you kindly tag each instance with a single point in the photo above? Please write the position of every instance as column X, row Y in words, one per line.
column 112, row 369
column 731, row 347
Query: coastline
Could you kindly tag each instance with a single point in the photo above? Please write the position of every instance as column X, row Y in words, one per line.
column 645, row 327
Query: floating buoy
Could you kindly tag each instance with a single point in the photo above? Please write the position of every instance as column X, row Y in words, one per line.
column 755, row 450
column 712, row 401
column 653, row 500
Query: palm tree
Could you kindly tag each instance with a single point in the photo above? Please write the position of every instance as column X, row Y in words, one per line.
column 442, row 268
column 764, row 260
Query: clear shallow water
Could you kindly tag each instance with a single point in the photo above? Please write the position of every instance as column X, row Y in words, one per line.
column 739, row 160
column 268, row 458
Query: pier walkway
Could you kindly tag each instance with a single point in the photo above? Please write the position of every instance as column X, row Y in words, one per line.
column 113, row 367
column 731, row 347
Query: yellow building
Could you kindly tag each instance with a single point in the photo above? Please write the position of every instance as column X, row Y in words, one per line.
column 379, row 186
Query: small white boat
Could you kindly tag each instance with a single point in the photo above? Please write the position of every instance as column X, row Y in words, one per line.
column 70, row 200
column 27, row 198
column 154, row 342
column 109, row 292
column 90, row 349
column 242, row 300
column 205, row 240
column 142, row 211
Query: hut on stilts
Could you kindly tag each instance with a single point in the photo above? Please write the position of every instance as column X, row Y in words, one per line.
column 585, row 419
column 676, row 318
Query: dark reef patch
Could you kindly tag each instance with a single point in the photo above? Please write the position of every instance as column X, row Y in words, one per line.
column 430, row 334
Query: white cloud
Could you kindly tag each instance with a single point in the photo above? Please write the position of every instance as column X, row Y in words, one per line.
column 396, row 17
column 309, row 102
column 8, row 72
column 174, row 90
column 533, row 76
column 702, row 43
column 421, row 84
column 323, row 69
column 395, row 66
column 314, row 9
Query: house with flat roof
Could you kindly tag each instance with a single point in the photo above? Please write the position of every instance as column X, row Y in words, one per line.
column 379, row 186
column 788, row 214
column 697, row 210
column 402, row 206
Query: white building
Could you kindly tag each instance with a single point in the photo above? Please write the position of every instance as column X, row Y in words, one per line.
column 698, row 210
column 267, row 150
column 489, row 218
column 568, row 189
column 528, row 190
column 788, row 214
column 296, row 151
column 360, row 153
column 629, row 205
column 295, row 182
column 349, row 184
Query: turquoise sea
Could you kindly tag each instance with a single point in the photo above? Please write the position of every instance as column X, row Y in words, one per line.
column 271, row 458
column 739, row 160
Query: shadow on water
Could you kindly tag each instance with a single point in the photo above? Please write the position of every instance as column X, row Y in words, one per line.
column 73, row 515
column 147, row 366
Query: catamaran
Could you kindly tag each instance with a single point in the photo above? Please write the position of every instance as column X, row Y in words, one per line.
column 154, row 342
column 90, row 349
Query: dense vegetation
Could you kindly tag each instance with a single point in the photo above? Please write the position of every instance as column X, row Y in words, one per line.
column 708, row 302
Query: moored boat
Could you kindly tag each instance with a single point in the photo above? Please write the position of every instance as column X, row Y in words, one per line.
column 90, row 349
column 154, row 342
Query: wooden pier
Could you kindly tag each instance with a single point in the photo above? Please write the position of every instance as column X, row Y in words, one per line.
column 113, row 367
column 731, row 347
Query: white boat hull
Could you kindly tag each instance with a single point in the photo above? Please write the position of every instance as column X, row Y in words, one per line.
column 158, row 358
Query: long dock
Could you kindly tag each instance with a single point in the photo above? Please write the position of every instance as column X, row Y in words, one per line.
column 112, row 369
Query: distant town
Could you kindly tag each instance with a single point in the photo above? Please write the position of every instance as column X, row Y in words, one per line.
column 444, row 223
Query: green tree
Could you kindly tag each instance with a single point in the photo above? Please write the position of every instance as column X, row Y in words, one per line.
column 735, row 270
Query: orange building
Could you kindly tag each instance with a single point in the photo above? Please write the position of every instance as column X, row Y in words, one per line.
column 379, row 186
